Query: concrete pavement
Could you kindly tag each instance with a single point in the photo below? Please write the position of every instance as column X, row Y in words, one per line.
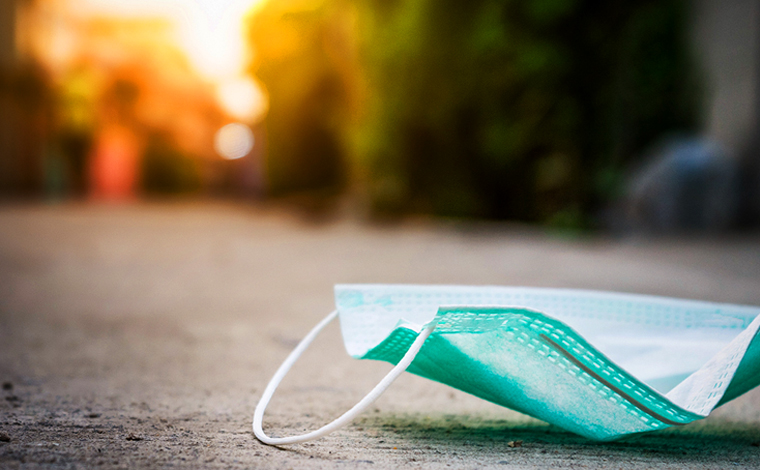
column 141, row 336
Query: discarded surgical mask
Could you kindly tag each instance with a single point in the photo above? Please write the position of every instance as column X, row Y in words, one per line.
column 602, row 365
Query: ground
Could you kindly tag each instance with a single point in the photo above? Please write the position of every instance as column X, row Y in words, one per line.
column 142, row 335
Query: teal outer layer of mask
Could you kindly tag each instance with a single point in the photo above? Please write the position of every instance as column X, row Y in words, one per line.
column 602, row 365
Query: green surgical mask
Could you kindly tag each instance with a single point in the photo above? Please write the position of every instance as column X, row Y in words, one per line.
column 602, row 365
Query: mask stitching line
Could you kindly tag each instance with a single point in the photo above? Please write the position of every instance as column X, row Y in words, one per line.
column 587, row 379
column 614, row 375
column 529, row 321
column 475, row 321
column 612, row 387
column 525, row 338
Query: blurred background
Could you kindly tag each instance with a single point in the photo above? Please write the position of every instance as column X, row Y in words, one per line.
column 183, row 182
column 576, row 114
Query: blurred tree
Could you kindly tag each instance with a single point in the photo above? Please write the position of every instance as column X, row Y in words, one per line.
column 303, row 57
column 24, row 128
column 514, row 109
column 526, row 110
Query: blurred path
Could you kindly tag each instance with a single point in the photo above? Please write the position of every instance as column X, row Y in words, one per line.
column 142, row 336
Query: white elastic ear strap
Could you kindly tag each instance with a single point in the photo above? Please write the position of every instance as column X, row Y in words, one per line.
column 258, row 414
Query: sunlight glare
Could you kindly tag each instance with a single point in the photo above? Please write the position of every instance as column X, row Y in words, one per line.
column 211, row 32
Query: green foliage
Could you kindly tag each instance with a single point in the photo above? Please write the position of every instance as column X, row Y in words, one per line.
column 493, row 108
column 512, row 108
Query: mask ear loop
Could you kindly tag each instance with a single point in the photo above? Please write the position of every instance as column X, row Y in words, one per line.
column 258, row 414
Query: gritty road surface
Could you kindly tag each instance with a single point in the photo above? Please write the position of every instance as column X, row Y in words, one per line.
column 142, row 336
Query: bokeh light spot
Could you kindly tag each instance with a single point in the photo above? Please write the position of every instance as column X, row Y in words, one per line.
column 244, row 99
column 233, row 141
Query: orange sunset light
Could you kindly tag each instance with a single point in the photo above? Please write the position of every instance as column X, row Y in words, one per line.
column 147, row 95
column 209, row 33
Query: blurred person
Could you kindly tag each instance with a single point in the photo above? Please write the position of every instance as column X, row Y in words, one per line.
column 113, row 168
column 688, row 185
column 116, row 153
column 166, row 169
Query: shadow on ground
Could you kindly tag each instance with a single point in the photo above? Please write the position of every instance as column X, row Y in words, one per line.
column 711, row 440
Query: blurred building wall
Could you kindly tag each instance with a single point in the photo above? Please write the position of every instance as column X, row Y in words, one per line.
column 727, row 41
